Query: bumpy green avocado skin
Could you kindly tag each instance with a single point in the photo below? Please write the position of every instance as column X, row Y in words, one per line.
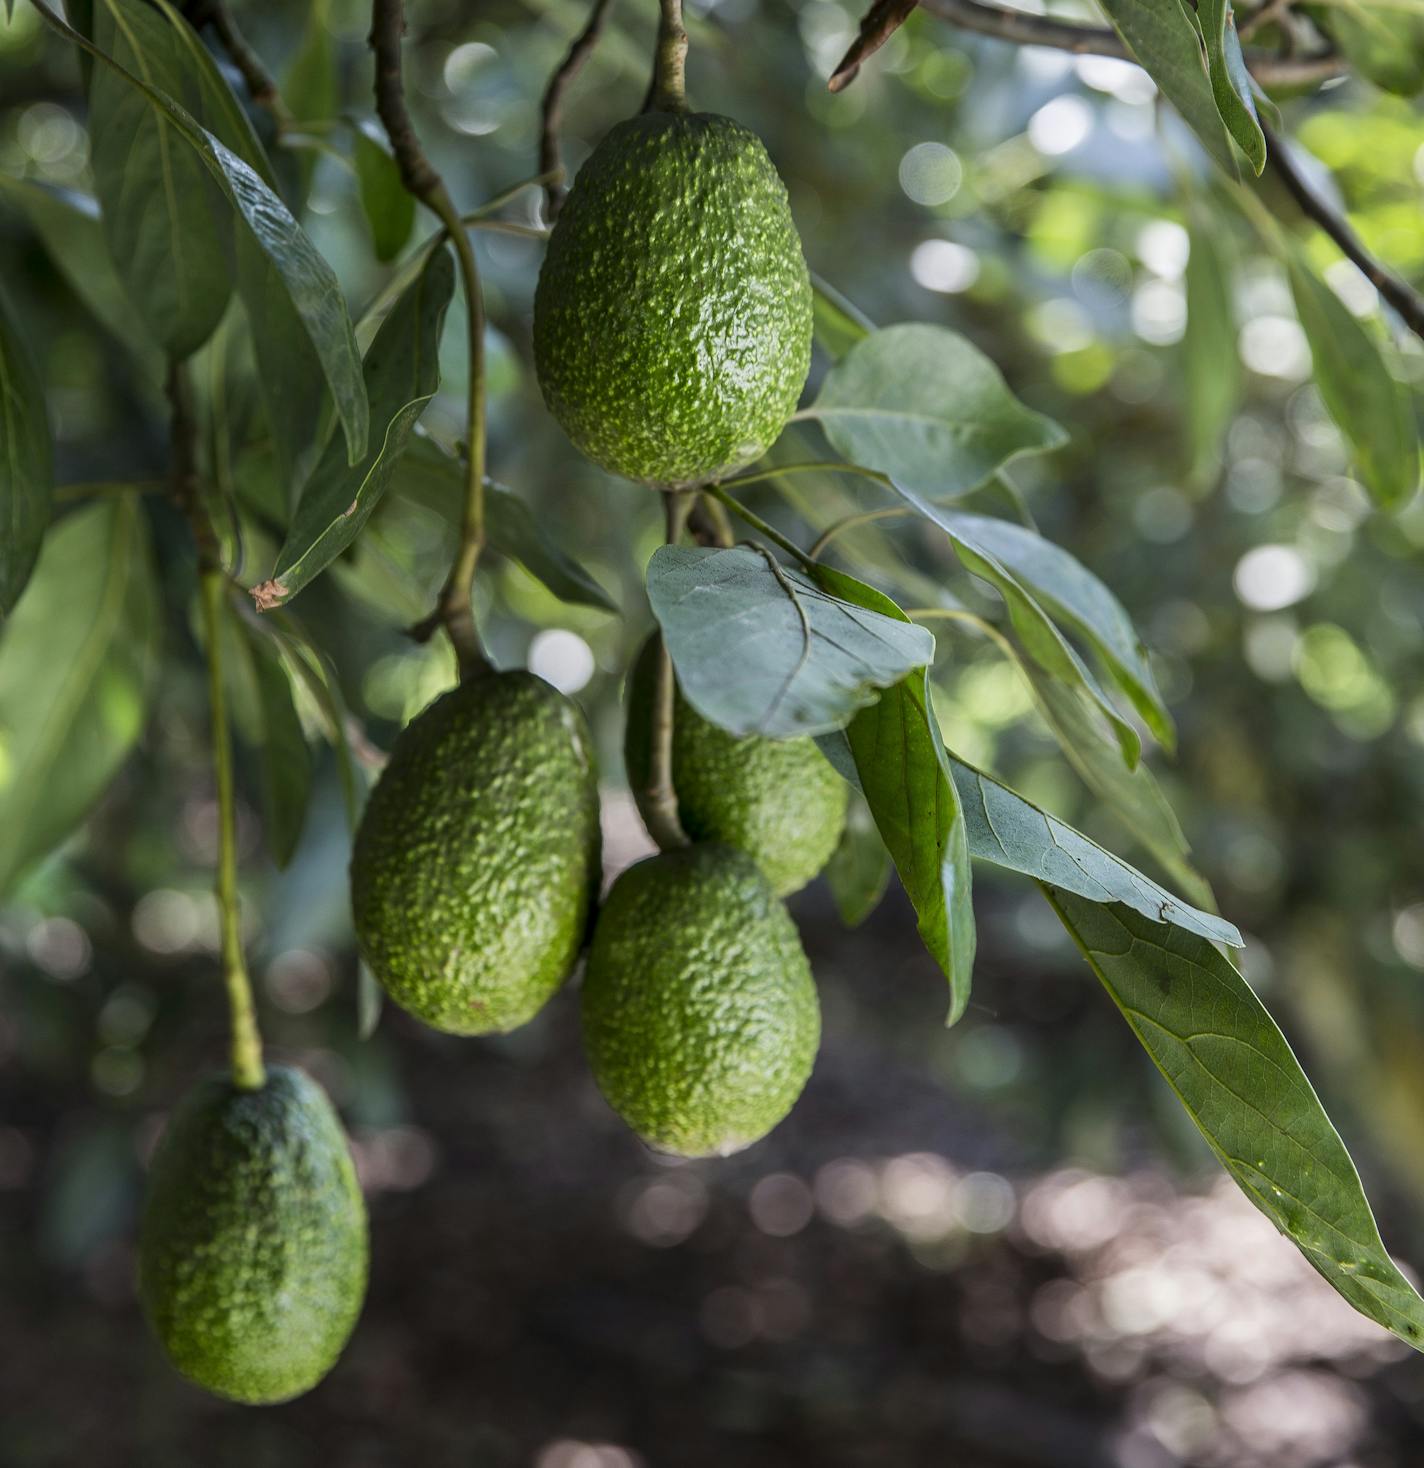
column 252, row 1252
column 477, row 860
column 700, row 1017
column 672, row 323
column 779, row 800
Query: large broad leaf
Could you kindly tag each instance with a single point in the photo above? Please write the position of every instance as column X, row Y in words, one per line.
column 1211, row 364
column 402, row 375
column 26, row 462
column 1234, row 1072
column 1230, row 81
column 302, row 334
column 1161, row 35
column 1070, row 592
column 838, row 325
column 388, row 206
column 1368, row 405
column 928, row 408
column 760, row 649
column 1385, row 42
column 76, row 659
column 163, row 214
column 905, row 777
column 1038, row 632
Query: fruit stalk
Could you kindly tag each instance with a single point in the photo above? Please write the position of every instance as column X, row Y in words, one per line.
column 551, row 110
column 669, row 89
column 759, row 525
column 454, row 610
column 660, row 799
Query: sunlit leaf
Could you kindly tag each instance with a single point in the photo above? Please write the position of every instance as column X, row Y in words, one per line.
column 1230, row 81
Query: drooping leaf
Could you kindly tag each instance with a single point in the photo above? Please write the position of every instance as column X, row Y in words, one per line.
column 389, row 209
column 26, row 462
column 838, row 325
column 1383, row 42
column 1211, row 364
column 1230, row 81
column 905, row 777
column 1036, row 629
column 302, row 334
column 1161, row 35
column 402, row 371
column 928, row 408
column 1233, row 1071
column 163, row 215
column 76, row 660
column 1369, row 406
column 761, row 649
column 859, row 869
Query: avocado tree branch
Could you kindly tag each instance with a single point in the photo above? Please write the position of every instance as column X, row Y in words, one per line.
column 551, row 112
column 259, row 82
column 246, row 1040
column 660, row 813
column 668, row 92
column 758, row 524
column 454, row 609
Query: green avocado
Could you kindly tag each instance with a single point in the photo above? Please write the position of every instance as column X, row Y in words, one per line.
column 779, row 800
column 700, row 1017
column 476, row 864
column 252, row 1252
column 672, row 322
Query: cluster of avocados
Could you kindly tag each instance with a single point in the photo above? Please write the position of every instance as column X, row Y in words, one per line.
column 672, row 338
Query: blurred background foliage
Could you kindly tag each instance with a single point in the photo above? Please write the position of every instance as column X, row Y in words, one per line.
column 974, row 1240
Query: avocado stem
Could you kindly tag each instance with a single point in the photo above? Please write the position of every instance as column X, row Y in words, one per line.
column 758, row 524
column 669, row 89
column 660, row 813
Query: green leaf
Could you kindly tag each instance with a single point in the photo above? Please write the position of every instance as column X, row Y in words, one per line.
column 859, row 869
column 1230, row 81
column 163, row 216
column 1383, row 42
column 1369, row 406
column 1045, row 644
column 928, row 408
column 1211, row 364
column 760, row 649
column 76, row 662
column 838, row 325
column 68, row 225
column 301, row 330
column 1163, row 38
column 1067, row 590
column 309, row 87
column 389, row 209
column 26, row 462
column 402, row 371
column 905, row 778
column 1233, row 1071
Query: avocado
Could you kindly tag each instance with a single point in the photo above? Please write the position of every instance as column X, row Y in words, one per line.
column 672, row 320
column 700, row 1017
column 252, row 1251
column 779, row 800
column 476, row 863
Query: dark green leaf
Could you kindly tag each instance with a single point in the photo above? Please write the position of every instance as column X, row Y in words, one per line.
column 26, row 462
column 76, row 661
column 1230, row 81
column 389, row 209
column 1211, row 364
column 1369, row 406
column 1163, row 37
column 1238, row 1080
column 859, row 869
column 1384, row 42
column 927, row 407
column 402, row 371
column 760, row 649
column 163, row 215
column 905, row 778
column 838, row 324
column 309, row 87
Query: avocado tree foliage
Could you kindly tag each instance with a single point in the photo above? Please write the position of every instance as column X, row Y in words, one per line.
column 292, row 422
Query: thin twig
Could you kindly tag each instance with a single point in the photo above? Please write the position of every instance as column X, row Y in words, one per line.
column 709, row 523
column 759, row 525
column 660, row 813
column 1408, row 303
column 668, row 92
column 247, row 1069
column 879, row 23
column 454, row 611
column 1024, row 29
column 865, row 517
column 258, row 80
column 551, row 112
